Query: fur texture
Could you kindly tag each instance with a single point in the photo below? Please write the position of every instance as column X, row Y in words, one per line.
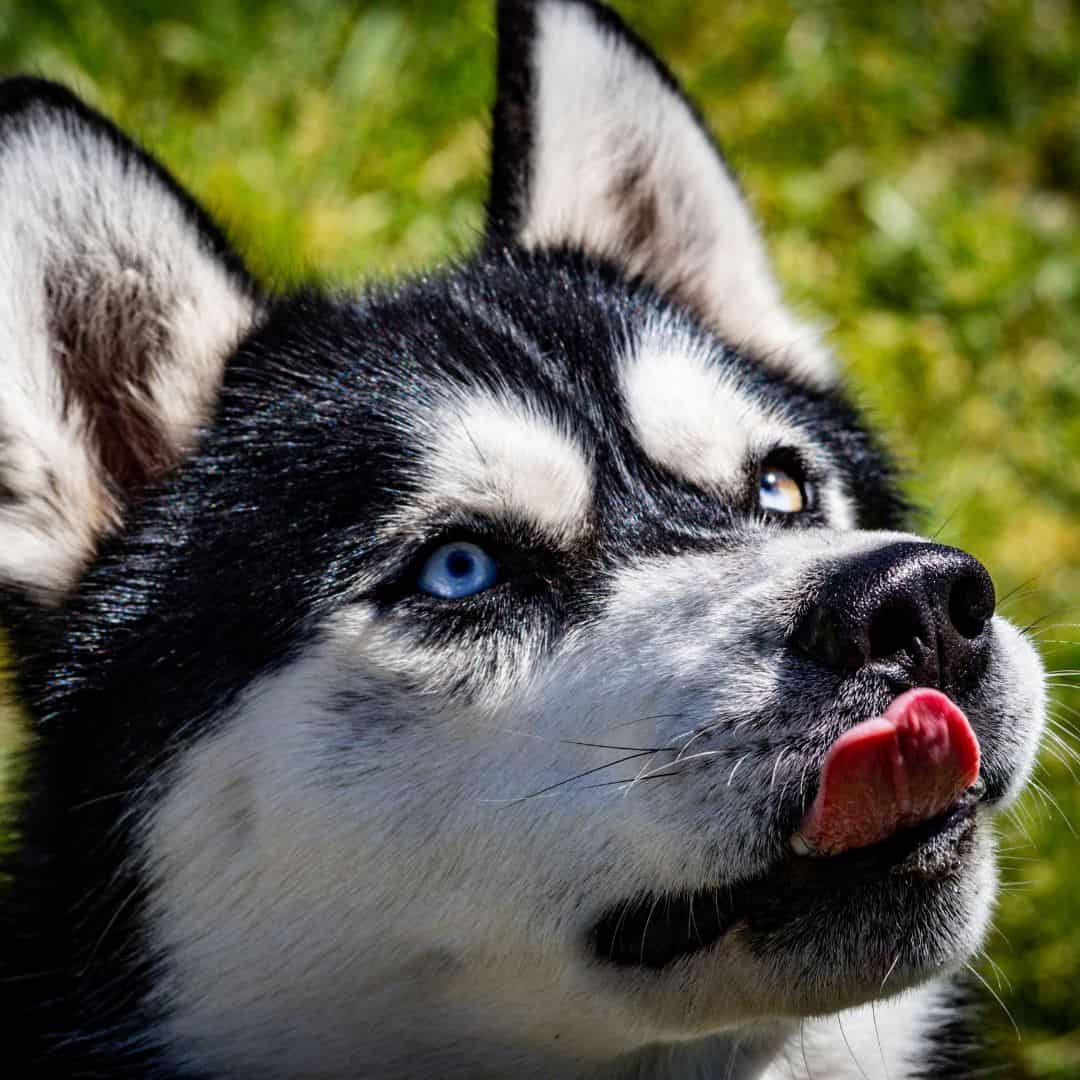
column 288, row 814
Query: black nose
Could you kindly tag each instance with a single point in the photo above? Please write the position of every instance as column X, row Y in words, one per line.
column 919, row 611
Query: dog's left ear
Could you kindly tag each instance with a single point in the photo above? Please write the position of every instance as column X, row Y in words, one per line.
column 120, row 302
column 596, row 148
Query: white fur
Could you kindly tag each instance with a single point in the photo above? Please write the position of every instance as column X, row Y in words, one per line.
column 690, row 415
column 602, row 112
column 105, row 234
column 352, row 878
column 495, row 455
column 890, row 1041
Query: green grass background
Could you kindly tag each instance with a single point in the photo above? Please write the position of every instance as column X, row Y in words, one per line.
column 917, row 166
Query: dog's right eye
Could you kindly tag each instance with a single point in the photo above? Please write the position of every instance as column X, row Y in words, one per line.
column 457, row 570
column 780, row 492
column 782, row 485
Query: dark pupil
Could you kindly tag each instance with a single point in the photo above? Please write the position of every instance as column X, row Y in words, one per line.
column 770, row 482
column 459, row 564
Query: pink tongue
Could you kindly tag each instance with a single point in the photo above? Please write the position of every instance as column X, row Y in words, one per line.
column 893, row 771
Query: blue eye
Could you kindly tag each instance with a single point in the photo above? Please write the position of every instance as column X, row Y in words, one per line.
column 456, row 570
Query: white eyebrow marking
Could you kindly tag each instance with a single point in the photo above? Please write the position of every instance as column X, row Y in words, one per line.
column 496, row 455
column 690, row 416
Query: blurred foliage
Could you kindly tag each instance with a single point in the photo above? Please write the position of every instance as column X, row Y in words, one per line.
column 917, row 166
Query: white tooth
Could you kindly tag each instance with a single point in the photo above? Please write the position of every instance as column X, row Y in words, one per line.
column 799, row 845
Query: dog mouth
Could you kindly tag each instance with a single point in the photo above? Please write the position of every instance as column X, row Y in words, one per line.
column 895, row 805
column 653, row 931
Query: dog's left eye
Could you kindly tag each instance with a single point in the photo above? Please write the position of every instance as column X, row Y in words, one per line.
column 457, row 570
column 780, row 492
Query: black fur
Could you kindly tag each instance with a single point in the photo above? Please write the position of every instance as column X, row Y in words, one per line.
column 512, row 115
column 958, row 1051
column 306, row 422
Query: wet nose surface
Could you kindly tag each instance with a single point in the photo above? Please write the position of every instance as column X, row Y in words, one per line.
column 920, row 611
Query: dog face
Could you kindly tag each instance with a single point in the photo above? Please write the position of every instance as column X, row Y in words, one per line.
column 470, row 655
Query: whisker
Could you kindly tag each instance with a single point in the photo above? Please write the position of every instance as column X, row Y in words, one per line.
column 567, row 742
column 843, row 1035
column 1016, row 592
column 735, row 769
column 802, row 1044
column 608, row 746
column 1002, row 979
column 635, row 780
column 1048, row 799
column 645, row 932
column 645, row 720
column 571, row 779
column 1014, row 815
column 1016, row 885
column 877, row 1035
column 693, row 757
column 1065, row 756
column 699, row 734
column 997, row 998
column 117, row 912
column 776, row 766
column 733, row 1059
column 995, row 929
column 802, row 781
column 691, row 922
column 948, row 519
column 104, row 798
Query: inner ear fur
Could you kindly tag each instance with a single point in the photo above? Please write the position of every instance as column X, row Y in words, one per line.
column 120, row 301
column 596, row 148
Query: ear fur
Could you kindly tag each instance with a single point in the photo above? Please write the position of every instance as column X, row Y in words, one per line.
column 595, row 147
column 120, row 301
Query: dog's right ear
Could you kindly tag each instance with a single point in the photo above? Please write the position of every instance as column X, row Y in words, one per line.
column 596, row 148
column 119, row 303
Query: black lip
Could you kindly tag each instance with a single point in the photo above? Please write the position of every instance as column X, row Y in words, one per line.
column 654, row 930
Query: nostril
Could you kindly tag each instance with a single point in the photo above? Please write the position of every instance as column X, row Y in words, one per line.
column 918, row 612
column 896, row 628
column 971, row 604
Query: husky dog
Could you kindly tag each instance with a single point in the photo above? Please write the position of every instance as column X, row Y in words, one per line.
column 520, row 671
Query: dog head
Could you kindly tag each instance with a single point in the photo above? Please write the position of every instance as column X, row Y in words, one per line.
column 473, row 658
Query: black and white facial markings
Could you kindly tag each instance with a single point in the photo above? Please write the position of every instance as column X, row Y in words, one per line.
column 423, row 678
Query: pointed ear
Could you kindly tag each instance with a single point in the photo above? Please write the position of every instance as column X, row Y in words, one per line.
column 596, row 148
column 119, row 304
